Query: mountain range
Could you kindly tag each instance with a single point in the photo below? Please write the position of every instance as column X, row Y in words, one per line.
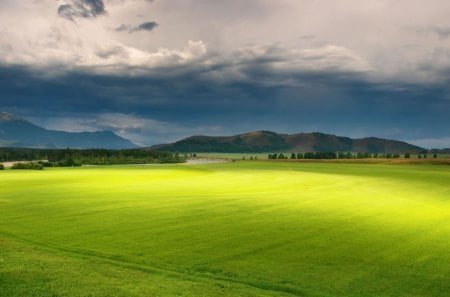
column 267, row 141
column 17, row 132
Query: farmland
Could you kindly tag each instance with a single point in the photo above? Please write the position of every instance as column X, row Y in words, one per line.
column 247, row 228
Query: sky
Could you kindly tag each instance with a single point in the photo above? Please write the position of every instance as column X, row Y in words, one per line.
column 155, row 71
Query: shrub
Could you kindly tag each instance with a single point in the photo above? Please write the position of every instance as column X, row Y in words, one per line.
column 46, row 164
column 30, row 165
column 1, row 166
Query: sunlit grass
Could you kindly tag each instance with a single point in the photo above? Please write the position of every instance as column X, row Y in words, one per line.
column 243, row 228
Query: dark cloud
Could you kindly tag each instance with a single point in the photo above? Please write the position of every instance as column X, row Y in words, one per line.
column 97, row 6
column 442, row 32
column 82, row 9
column 341, row 103
column 122, row 27
column 308, row 36
column 147, row 26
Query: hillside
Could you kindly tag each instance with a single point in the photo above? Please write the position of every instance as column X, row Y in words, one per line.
column 267, row 141
column 440, row 151
column 17, row 132
column 261, row 141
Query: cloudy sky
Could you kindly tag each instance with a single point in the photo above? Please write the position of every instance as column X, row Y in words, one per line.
column 156, row 71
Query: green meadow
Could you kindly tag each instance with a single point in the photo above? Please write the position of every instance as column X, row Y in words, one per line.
column 248, row 228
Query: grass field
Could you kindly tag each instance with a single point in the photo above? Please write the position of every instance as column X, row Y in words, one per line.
column 237, row 229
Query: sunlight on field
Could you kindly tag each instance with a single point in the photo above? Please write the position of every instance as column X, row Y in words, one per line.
column 238, row 229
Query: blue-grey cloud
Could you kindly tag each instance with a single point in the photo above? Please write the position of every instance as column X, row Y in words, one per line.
column 146, row 26
column 312, row 77
column 82, row 9
column 442, row 32
column 342, row 103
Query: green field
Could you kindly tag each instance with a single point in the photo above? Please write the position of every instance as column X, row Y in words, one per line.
column 237, row 229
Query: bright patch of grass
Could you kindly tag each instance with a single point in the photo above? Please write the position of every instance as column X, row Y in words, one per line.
column 237, row 229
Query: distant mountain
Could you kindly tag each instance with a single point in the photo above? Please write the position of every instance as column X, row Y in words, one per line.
column 267, row 141
column 440, row 151
column 17, row 132
column 263, row 141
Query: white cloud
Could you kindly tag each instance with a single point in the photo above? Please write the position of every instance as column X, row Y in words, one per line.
column 325, row 58
column 391, row 40
column 33, row 35
column 68, row 47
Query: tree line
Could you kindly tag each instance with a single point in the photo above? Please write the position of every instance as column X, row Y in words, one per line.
column 78, row 157
column 341, row 155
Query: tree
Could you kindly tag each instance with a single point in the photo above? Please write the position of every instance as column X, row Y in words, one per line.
column 73, row 157
column 435, row 156
column 293, row 156
column 29, row 165
column 68, row 159
column 407, row 156
column 308, row 155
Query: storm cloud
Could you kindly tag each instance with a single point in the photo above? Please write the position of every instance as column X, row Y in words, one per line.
column 352, row 68
column 82, row 9
column 147, row 26
column 195, row 101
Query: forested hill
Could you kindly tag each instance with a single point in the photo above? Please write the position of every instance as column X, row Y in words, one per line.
column 267, row 141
